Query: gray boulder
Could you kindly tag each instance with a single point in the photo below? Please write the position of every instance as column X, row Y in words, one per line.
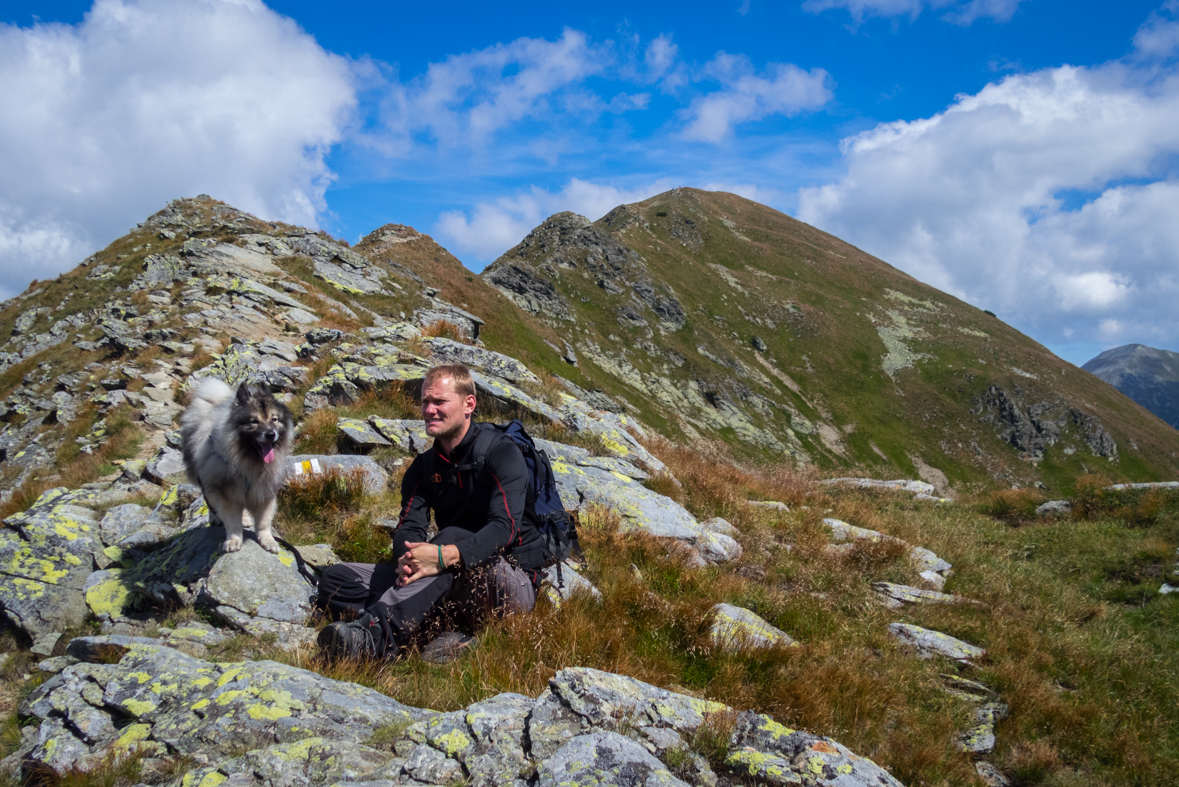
column 46, row 554
column 263, row 724
column 408, row 436
column 734, row 628
column 260, row 584
column 605, row 757
column 359, row 435
column 934, row 643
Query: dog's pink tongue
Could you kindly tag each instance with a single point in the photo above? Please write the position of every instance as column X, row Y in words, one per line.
column 268, row 457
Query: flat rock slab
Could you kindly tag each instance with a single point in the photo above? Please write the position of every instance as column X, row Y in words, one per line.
column 360, row 435
column 934, row 643
column 640, row 508
column 919, row 487
column 375, row 479
column 842, row 531
column 734, row 628
column 904, row 594
column 225, row 257
column 479, row 359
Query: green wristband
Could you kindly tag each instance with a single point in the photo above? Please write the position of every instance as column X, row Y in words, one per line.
column 441, row 562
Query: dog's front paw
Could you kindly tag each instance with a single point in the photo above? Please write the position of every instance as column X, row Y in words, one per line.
column 268, row 543
column 232, row 544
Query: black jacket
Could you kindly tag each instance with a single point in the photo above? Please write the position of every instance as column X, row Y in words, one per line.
column 494, row 502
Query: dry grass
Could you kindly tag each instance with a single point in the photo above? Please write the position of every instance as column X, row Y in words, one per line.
column 202, row 357
column 1013, row 506
column 333, row 508
column 445, row 329
column 330, row 314
column 547, row 389
column 394, row 401
column 121, row 442
column 318, row 433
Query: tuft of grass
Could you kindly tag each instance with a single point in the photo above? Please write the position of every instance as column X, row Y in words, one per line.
column 120, row 768
column 333, row 508
column 445, row 329
column 547, row 389
column 394, row 401
column 1013, row 506
column 318, row 433
column 320, row 497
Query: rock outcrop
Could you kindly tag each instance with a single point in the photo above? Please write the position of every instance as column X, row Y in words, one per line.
column 264, row 723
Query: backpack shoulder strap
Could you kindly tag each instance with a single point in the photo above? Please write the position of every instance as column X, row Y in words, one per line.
column 484, row 439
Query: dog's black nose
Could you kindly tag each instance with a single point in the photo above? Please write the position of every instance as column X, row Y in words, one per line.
column 271, row 436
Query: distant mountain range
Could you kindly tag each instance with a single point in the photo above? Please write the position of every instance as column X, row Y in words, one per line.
column 1145, row 374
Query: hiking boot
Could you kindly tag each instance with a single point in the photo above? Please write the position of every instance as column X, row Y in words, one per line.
column 354, row 640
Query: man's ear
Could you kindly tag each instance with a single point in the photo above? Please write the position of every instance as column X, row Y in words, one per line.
column 469, row 404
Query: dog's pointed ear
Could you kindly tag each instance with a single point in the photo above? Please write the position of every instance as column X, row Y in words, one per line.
column 243, row 394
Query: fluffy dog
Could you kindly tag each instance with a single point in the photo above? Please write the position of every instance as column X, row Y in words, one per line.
column 235, row 449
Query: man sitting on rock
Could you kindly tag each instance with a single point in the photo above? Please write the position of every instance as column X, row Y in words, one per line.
column 486, row 557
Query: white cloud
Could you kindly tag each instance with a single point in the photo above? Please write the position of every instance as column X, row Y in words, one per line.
column 745, row 95
column 1048, row 197
column 466, row 98
column 1159, row 34
column 494, row 227
column 959, row 12
column 145, row 100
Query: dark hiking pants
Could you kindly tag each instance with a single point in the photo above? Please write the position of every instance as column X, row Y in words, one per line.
column 471, row 594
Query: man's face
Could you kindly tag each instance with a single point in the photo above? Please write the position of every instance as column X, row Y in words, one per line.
column 445, row 411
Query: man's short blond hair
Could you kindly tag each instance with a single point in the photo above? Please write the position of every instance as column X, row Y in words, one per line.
column 464, row 385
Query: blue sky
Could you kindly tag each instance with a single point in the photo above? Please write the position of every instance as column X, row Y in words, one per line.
column 1019, row 154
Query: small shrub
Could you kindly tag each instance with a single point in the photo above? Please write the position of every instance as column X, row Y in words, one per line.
column 1013, row 506
column 711, row 739
column 1090, row 498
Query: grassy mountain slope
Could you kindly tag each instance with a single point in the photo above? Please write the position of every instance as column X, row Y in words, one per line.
column 673, row 300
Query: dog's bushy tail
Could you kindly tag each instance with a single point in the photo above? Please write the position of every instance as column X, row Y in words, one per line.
column 212, row 392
